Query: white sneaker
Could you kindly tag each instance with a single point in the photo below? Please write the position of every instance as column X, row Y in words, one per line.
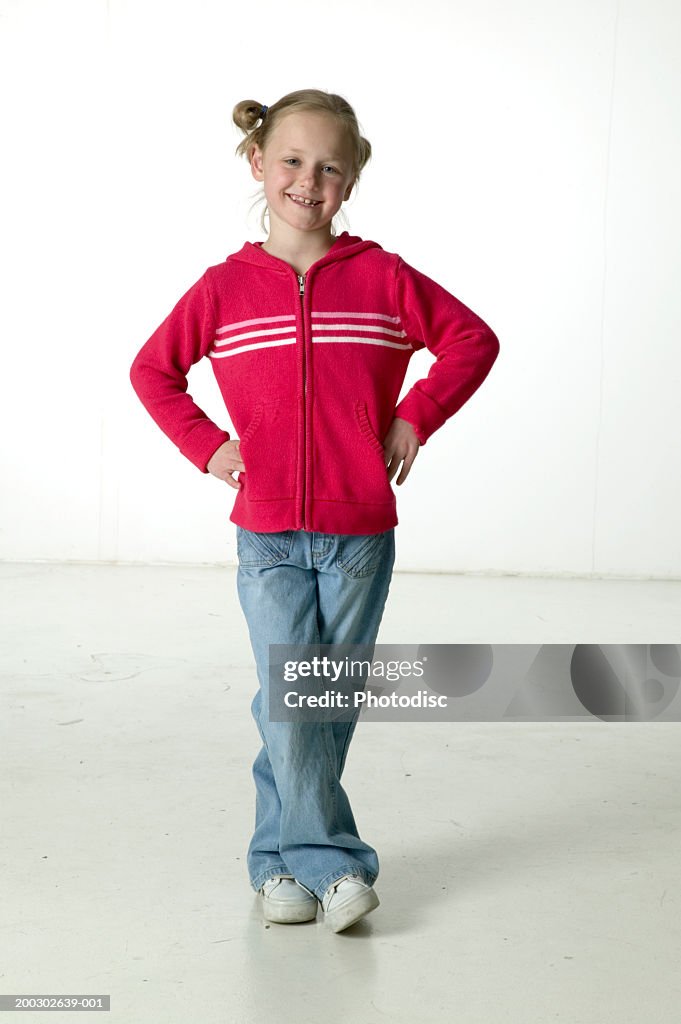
column 286, row 901
column 346, row 900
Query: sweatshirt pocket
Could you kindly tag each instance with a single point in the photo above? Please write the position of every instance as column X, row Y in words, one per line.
column 268, row 453
column 347, row 457
column 367, row 431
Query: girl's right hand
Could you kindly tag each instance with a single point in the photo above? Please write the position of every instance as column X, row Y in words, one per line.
column 226, row 461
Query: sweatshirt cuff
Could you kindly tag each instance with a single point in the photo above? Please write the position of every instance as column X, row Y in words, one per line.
column 422, row 412
column 202, row 443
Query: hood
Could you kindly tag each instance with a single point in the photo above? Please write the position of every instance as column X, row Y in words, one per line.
column 345, row 245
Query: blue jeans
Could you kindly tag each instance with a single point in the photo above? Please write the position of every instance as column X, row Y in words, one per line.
column 295, row 586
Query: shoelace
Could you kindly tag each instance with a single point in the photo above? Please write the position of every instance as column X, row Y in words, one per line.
column 276, row 878
column 343, row 878
column 334, row 885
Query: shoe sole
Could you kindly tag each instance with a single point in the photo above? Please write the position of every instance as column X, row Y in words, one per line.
column 352, row 911
column 289, row 914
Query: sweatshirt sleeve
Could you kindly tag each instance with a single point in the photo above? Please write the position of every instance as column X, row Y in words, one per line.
column 464, row 346
column 159, row 375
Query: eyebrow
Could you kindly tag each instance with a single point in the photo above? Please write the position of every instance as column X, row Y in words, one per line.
column 292, row 149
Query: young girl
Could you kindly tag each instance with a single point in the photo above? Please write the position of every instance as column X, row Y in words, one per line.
column 310, row 335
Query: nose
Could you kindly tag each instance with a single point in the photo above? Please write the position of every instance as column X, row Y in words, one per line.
column 307, row 179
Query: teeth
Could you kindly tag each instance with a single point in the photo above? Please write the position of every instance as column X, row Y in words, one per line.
column 299, row 199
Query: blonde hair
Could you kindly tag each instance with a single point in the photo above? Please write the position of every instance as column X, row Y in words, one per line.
column 247, row 115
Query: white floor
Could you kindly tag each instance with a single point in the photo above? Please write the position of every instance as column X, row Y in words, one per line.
column 530, row 872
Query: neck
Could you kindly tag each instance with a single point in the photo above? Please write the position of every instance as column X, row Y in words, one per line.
column 300, row 248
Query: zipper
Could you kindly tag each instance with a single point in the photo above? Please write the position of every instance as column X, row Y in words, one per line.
column 301, row 291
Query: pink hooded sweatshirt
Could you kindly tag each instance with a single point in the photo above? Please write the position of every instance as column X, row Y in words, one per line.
column 310, row 369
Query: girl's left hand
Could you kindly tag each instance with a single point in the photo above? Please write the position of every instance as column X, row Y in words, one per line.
column 401, row 445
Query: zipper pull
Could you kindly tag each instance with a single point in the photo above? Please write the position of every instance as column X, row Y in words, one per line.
column 301, row 282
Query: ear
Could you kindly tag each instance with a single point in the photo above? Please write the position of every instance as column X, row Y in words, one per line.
column 348, row 191
column 256, row 163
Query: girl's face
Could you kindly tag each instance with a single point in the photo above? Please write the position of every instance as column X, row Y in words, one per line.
column 308, row 157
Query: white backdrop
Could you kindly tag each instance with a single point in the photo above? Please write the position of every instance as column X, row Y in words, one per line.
column 526, row 156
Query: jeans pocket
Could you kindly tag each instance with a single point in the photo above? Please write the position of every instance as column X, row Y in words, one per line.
column 254, row 548
column 361, row 554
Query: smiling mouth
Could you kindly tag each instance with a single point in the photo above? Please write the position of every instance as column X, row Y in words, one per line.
column 300, row 201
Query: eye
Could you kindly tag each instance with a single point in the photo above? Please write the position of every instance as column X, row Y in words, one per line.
column 294, row 159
